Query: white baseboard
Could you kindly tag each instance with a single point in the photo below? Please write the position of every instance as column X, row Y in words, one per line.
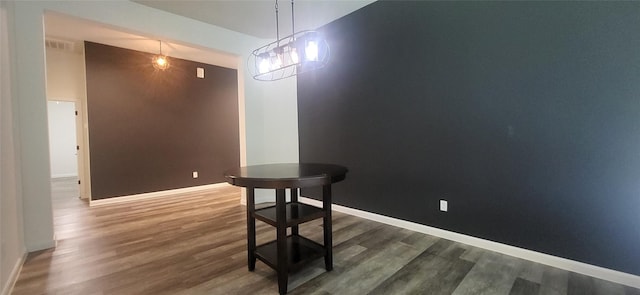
column 64, row 175
column 554, row 261
column 173, row 192
column 13, row 276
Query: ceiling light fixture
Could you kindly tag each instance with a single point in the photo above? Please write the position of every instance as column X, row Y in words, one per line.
column 286, row 57
column 160, row 61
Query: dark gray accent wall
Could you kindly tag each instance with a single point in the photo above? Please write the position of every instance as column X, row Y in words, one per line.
column 150, row 129
column 525, row 116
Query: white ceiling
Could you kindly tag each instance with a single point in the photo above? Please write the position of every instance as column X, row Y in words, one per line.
column 257, row 17
column 66, row 28
column 251, row 17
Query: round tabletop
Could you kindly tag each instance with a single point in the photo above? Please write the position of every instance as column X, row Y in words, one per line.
column 286, row 175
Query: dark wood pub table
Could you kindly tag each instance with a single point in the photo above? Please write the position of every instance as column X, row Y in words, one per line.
column 287, row 253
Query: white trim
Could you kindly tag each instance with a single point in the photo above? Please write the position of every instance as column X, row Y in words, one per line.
column 242, row 121
column 166, row 193
column 64, row 175
column 13, row 277
column 558, row 262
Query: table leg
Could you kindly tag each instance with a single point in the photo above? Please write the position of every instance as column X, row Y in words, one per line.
column 251, row 229
column 328, row 240
column 294, row 199
column 281, row 236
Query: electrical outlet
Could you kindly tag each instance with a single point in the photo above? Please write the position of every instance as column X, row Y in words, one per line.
column 195, row 174
column 444, row 205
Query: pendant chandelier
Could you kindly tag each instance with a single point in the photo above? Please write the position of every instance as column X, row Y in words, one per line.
column 286, row 57
column 160, row 61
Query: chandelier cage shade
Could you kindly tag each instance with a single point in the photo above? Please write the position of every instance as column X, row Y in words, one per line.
column 295, row 54
column 160, row 61
column 286, row 57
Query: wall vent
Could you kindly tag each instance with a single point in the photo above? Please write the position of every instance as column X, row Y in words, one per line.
column 59, row 44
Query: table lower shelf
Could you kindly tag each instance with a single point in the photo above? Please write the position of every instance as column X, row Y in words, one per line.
column 296, row 213
column 300, row 250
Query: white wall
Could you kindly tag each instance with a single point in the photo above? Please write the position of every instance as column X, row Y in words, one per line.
column 30, row 110
column 11, row 246
column 270, row 108
column 62, row 138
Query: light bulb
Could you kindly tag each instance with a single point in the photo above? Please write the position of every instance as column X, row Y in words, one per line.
column 263, row 67
column 160, row 62
column 276, row 63
column 294, row 55
column 311, row 51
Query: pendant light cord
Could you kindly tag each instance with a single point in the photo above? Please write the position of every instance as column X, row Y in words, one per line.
column 277, row 27
column 293, row 23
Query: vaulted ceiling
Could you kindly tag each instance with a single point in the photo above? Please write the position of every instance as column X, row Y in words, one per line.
column 257, row 17
column 251, row 17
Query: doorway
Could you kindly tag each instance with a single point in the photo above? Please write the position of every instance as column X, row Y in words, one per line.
column 63, row 148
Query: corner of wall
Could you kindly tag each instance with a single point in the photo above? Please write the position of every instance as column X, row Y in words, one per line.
column 30, row 125
column 13, row 276
column 13, row 252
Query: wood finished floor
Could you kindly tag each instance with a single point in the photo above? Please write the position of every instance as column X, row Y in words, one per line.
column 195, row 244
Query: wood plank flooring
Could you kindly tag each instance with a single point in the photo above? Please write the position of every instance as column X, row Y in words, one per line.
column 196, row 244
